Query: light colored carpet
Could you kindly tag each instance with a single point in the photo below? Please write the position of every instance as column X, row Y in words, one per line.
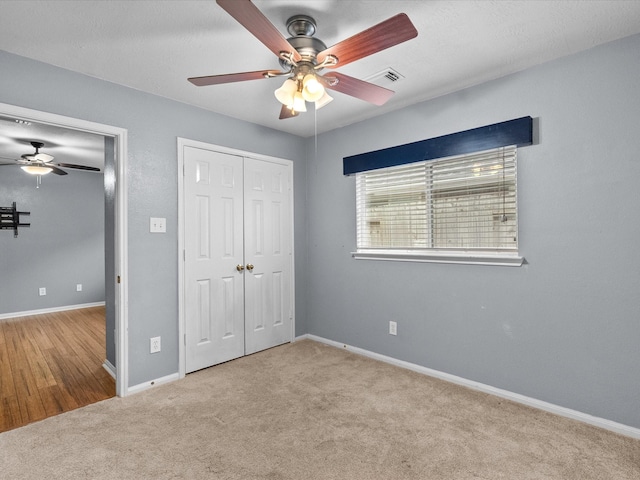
column 310, row 411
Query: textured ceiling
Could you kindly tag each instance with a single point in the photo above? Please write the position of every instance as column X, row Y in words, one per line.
column 155, row 45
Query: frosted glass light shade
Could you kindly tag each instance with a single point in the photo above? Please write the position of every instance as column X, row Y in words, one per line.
column 312, row 89
column 36, row 170
column 326, row 98
column 286, row 92
column 299, row 104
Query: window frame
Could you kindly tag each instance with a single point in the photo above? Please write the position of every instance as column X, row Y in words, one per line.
column 458, row 255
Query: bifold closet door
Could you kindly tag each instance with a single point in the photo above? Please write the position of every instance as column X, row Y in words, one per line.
column 238, row 245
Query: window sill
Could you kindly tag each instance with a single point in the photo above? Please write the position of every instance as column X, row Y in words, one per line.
column 466, row 258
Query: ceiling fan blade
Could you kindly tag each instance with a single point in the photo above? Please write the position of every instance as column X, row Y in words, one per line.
column 357, row 88
column 56, row 170
column 232, row 77
column 287, row 113
column 248, row 15
column 72, row 165
column 386, row 34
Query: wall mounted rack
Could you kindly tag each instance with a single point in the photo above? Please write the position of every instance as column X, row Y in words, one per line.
column 10, row 219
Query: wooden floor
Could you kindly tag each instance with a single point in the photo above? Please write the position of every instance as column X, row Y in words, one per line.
column 51, row 363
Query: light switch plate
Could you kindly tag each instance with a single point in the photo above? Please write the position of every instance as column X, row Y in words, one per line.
column 157, row 225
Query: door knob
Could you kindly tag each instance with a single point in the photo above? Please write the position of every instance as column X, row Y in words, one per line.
column 249, row 267
column 240, row 267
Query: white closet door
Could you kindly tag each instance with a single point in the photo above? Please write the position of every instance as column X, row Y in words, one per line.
column 238, row 256
column 267, row 248
column 214, row 288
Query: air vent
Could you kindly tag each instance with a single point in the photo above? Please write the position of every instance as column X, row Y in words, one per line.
column 385, row 78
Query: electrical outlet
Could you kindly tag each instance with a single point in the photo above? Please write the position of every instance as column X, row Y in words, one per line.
column 79, row 287
column 154, row 344
column 393, row 328
column 42, row 291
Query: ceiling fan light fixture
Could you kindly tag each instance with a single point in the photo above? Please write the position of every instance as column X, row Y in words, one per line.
column 36, row 169
column 322, row 101
column 312, row 89
column 285, row 94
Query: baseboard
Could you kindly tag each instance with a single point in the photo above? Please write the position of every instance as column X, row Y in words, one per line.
column 152, row 383
column 516, row 397
column 4, row 316
column 110, row 368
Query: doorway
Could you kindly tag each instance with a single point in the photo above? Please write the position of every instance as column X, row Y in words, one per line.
column 115, row 233
column 236, row 273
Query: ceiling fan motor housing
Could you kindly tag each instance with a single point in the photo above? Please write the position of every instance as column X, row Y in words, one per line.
column 302, row 27
column 307, row 47
column 33, row 157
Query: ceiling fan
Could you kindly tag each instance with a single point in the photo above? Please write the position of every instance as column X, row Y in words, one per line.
column 303, row 56
column 38, row 163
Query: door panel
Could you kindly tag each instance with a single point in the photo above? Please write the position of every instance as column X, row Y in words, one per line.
column 268, row 308
column 214, row 290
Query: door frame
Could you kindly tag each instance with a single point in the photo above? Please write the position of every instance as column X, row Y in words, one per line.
column 185, row 142
column 120, row 224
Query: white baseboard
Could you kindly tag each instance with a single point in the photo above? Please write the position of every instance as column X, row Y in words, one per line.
column 4, row 316
column 110, row 368
column 152, row 383
column 516, row 397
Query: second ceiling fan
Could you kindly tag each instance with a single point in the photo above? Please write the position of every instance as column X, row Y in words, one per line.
column 303, row 56
column 39, row 163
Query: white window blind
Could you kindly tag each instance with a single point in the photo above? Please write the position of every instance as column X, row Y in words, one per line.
column 463, row 203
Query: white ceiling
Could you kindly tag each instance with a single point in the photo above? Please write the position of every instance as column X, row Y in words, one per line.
column 154, row 46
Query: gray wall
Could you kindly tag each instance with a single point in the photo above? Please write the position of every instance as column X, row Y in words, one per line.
column 153, row 125
column 565, row 327
column 63, row 246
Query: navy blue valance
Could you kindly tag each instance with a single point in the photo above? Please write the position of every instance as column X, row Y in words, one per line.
column 517, row 132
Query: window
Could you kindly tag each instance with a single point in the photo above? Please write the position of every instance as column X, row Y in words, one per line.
column 454, row 207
